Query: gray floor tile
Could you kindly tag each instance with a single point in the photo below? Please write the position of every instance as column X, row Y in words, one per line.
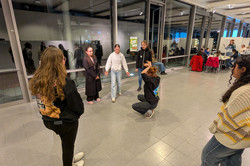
column 113, row 134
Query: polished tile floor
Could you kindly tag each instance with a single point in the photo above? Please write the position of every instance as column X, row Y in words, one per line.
column 115, row 135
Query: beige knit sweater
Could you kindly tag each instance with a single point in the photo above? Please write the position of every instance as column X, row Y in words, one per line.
column 232, row 127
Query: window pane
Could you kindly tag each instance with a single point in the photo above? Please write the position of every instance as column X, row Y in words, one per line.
column 64, row 23
column 9, row 84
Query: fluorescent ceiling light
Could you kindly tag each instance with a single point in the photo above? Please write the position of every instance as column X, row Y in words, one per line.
column 141, row 13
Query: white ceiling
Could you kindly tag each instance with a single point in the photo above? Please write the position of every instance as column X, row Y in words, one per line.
column 239, row 9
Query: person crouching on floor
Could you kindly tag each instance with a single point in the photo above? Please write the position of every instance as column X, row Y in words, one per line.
column 150, row 98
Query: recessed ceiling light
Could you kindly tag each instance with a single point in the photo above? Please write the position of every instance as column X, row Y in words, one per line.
column 214, row 11
column 243, row 13
column 230, row 6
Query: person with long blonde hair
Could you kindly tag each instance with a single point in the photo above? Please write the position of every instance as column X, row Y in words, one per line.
column 59, row 102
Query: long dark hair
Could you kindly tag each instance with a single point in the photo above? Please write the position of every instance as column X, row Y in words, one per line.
column 242, row 61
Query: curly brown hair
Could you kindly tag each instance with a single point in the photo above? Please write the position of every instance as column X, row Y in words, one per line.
column 152, row 71
column 242, row 61
column 49, row 79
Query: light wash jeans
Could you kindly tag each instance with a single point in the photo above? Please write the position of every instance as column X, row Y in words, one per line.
column 214, row 153
column 116, row 75
column 140, row 77
column 159, row 64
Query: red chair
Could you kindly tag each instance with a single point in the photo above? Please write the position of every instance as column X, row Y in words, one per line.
column 196, row 63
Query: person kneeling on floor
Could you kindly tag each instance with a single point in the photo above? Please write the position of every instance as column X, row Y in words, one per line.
column 150, row 98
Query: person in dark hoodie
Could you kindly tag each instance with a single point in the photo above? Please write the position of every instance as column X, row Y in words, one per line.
column 232, row 58
column 150, row 98
column 59, row 102
column 142, row 57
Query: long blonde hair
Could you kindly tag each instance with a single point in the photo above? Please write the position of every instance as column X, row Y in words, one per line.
column 50, row 75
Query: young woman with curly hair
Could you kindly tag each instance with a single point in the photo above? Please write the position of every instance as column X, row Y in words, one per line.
column 231, row 129
column 59, row 102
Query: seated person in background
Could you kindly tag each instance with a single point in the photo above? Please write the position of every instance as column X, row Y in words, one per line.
column 197, row 62
column 182, row 51
column 213, row 62
column 161, row 65
column 204, row 56
column 243, row 49
column 247, row 50
column 207, row 51
column 177, row 51
column 217, row 54
column 232, row 58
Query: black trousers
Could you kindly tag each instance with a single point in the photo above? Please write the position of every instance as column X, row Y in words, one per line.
column 143, row 106
column 67, row 133
column 91, row 98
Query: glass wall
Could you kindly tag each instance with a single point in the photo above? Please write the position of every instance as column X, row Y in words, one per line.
column 131, row 29
column 174, row 44
column 215, row 31
column 66, row 25
column 9, row 84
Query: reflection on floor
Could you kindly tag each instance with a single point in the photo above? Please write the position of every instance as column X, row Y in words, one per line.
column 115, row 135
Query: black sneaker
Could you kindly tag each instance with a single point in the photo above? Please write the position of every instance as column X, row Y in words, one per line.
column 163, row 73
column 139, row 89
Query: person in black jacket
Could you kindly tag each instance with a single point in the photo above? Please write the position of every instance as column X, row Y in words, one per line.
column 99, row 52
column 150, row 98
column 93, row 81
column 59, row 102
column 142, row 57
column 28, row 60
column 232, row 58
column 66, row 55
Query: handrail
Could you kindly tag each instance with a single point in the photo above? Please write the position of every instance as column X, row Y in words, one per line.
column 3, row 71
column 82, row 69
column 173, row 57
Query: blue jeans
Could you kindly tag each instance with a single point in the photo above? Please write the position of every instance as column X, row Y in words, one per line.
column 140, row 77
column 116, row 75
column 159, row 64
column 214, row 153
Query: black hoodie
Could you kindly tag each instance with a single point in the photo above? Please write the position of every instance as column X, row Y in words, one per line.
column 142, row 57
column 71, row 107
column 151, row 88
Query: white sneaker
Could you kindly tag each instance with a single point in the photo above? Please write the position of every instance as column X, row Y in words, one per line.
column 120, row 93
column 78, row 157
column 79, row 163
column 113, row 100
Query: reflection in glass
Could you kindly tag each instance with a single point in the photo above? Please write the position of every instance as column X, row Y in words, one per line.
column 174, row 44
column 131, row 23
column 64, row 24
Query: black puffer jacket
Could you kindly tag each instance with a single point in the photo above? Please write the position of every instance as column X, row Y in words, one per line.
column 142, row 57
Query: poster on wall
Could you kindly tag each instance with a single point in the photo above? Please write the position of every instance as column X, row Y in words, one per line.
column 133, row 42
column 196, row 43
